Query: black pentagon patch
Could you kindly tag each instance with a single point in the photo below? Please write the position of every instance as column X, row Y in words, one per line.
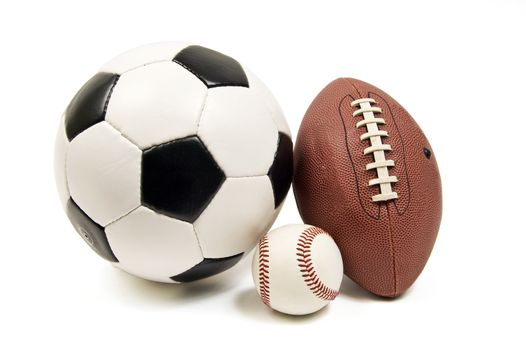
column 179, row 178
column 280, row 173
column 88, row 107
column 212, row 67
column 90, row 231
column 206, row 268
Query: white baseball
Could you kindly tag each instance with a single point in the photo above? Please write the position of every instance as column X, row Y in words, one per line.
column 297, row 269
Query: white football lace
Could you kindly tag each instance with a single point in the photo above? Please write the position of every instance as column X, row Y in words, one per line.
column 377, row 148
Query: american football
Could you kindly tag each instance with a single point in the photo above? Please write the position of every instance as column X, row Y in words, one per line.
column 172, row 160
column 365, row 172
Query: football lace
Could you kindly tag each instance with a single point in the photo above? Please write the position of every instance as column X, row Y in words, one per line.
column 377, row 148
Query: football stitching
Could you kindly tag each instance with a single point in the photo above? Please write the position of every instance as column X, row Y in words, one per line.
column 393, row 253
column 402, row 210
column 263, row 260
column 343, row 118
column 377, row 148
column 306, row 266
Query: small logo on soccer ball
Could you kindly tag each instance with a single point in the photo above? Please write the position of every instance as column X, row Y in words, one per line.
column 86, row 236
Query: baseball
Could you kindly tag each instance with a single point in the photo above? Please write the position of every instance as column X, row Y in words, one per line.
column 297, row 269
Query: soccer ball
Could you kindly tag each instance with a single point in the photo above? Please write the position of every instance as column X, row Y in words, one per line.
column 172, row 161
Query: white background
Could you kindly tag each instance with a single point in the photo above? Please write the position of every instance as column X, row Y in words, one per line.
column 458, row 67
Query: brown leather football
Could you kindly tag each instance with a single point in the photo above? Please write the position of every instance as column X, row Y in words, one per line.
column 365, row 173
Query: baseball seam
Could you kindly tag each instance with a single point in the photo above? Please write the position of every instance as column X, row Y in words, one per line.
column 306, row 266
column 263, row 261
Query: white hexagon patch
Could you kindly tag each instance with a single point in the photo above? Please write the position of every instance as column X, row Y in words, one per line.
column 103, row 172
column 153, row 246
column 156, row 103
column 143, row 55
column 236, row 217
column 275, row 110
column 237, row 128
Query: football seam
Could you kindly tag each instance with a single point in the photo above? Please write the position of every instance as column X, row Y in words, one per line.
column 304, row 253
column 264, row 269
column 393, row 254
column 391, row 238
column 377, row 217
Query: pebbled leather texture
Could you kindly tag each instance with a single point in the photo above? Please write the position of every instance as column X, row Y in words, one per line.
column 180, row 178
column 213, row 68
column 208, row 267
column 384, row 245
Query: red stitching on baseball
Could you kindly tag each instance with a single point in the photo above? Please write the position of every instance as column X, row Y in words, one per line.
column 306, row 266
column 264, row 281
